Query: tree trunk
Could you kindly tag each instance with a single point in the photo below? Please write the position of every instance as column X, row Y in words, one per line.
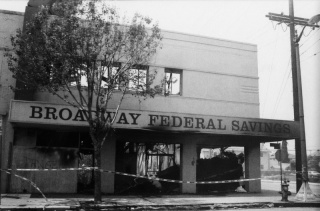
column 97, row 175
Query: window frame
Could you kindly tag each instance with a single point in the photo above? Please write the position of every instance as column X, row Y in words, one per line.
column 140, row 68
column 175, row 71
column 118, row 65
column 72, row 82
column 109, row 72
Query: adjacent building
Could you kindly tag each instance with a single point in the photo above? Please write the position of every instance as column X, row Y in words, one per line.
column 9, row 22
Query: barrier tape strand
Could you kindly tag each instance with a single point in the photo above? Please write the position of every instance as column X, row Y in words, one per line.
column 9, row 171
column 138, row 176
column 27, row 180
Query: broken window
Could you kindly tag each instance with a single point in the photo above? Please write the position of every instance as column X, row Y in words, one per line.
column 146, row 159
column 154, row 158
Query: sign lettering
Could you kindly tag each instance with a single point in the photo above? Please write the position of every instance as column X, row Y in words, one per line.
column 42, row 113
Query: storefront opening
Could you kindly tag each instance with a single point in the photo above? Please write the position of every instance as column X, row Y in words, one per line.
column 146, row 159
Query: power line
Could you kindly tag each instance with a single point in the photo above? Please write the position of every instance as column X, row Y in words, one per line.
column 312, row 45
column 311, row 56
column 266, row 95
column 307, row 34
column 260, row 32
column 267, row 44
column 318, row 30
column 284, row 30
column 282, row 88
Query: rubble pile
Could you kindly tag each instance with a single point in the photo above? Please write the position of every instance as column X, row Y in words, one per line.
column 218, row 168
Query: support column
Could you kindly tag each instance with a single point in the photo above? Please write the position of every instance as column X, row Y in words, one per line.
column 108, row 160
column 189, row 166
column 252, row 167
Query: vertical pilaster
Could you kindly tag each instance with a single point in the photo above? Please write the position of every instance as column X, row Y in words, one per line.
column 252, row 167
column 108, row 159
column 189, row 166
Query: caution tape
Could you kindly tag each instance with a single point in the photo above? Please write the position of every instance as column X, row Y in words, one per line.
column 9, row 171
column 61, row 169
column 138, row 176
column 27, row 180
column 178, row 181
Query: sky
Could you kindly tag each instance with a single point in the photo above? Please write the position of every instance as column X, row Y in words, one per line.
column 245, row 21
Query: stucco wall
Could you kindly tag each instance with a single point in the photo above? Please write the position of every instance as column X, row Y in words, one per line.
column 198, row 53
column 219, row 77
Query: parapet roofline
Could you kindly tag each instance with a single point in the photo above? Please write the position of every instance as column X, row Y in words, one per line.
column 168, row 32
column 203, row 39
column 9, row 12
column 250, row 45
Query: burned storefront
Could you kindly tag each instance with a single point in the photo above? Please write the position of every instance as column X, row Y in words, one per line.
column 213, row 104
column 147, row 143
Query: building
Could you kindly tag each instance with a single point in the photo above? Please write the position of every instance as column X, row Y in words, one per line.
column 214, row 104
column 264, row 158
column 9, row 22
column 274, row 164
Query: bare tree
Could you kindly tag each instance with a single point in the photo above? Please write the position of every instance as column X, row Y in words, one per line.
column 83, row 52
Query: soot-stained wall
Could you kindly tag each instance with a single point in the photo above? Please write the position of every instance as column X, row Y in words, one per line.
column 45, row 158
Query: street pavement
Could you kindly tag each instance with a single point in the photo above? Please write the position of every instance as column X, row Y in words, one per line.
column 229, row 200
column 275, row 185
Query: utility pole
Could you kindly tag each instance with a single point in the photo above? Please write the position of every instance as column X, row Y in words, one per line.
column 300, row 145
column 0, row 163
column 295, row 94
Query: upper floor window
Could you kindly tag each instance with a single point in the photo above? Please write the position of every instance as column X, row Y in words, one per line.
column 111, row 76
column 114, row 77
column 137, row 78
column 173, row 85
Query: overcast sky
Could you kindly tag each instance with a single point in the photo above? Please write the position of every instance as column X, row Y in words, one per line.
column 245, row 21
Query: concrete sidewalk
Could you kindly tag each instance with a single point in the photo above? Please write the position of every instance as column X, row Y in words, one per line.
column 164, row 202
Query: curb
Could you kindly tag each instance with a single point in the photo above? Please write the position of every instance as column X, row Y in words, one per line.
column 8, row 208
column 191, row 207
column 296, row 204
column 90, row 206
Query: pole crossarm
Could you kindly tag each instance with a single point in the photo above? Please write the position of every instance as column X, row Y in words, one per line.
column 286, row 19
